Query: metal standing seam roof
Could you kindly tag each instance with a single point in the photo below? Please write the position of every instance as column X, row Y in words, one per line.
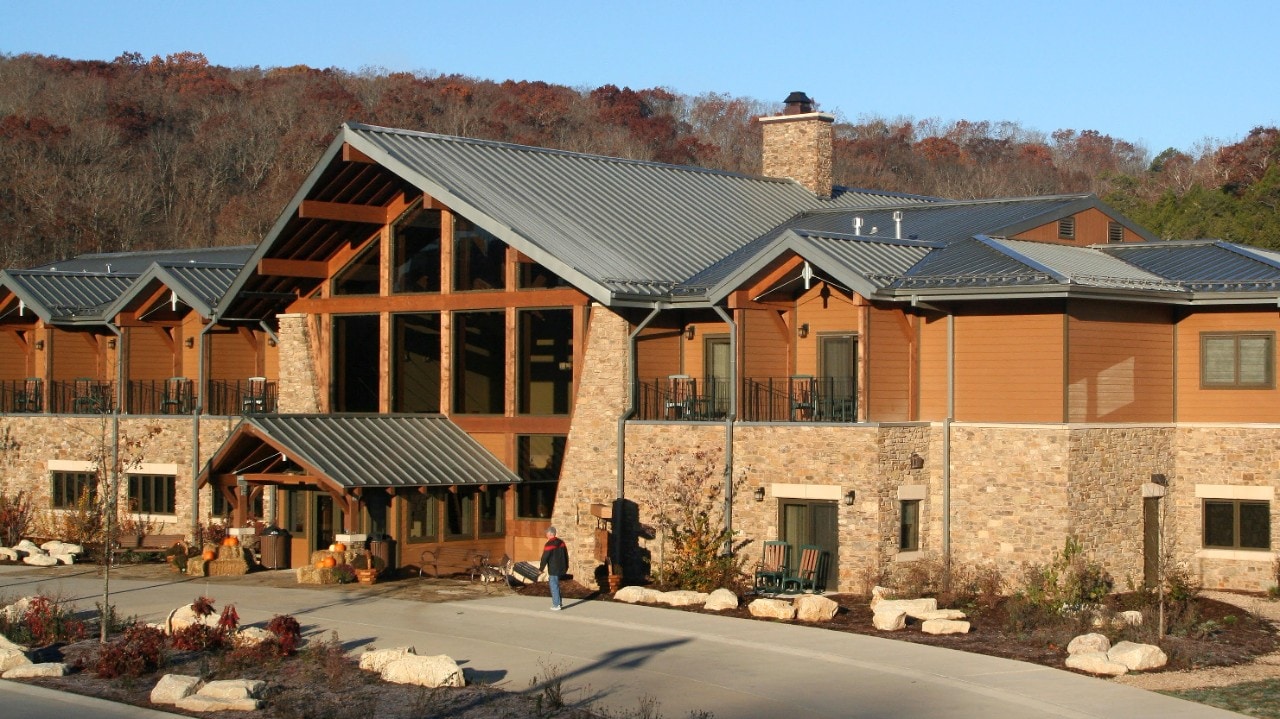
column 1203, row 265
column 65, row 296
column 384, row 450
column 198, row 285
column 138, row 262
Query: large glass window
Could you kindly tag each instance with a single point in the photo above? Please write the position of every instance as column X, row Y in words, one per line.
column 69, row 489
column 415, row 363
column 534, row 276
column 354, row 384
column 459, row 513
column 479, row 367
column 152, row 493
column 424, row 513
column 1237, row 360
column 909, row 525
column 360, row 276
column 492, row 507
column 1237, row 524
column 417, row 253
column 546, row 361
column 479, row 258
column 538, row 464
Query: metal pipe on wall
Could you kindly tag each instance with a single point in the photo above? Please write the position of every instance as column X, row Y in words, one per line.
column 729, row 418
column 618, row 513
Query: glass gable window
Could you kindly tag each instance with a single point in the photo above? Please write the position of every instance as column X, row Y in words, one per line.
column 360, row 276
column 355, row 363
column 1237, row 524
column 479, row 258
column 415, row 363
column 152, row 493
column 479, row 367
column 546, row 361
column 534, row 276
column 538, row 464
column 417, row 253
column 1231, row 360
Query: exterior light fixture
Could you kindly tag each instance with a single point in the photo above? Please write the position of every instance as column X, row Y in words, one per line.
column 111, row 343
column 803, row 331
column 848, row 498
column 917, row 462
column 271, row 342
column 189, row 342
column 759, row 494
column 688, row 332
column 39, row 344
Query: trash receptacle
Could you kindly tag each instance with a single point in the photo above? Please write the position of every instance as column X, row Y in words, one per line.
column 273, row 545
column 384, row 553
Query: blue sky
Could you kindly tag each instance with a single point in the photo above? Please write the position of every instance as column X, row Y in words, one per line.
column 1163, row 74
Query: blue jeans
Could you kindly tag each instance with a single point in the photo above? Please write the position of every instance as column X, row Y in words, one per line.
column 554, row 581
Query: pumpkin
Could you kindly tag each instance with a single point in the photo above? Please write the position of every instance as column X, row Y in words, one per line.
column 339, row 547
column 232, row 541
column 327, row 563
column 209, row 555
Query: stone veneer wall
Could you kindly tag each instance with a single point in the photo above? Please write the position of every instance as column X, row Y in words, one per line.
column 297, row 388
column 1245, row 456
column 799, row 147
column 24, row 464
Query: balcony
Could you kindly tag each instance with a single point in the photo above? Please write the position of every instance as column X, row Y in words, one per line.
column 175, row 396
column 799, row 398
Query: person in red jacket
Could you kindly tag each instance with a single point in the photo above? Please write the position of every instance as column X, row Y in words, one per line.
column 555, row 559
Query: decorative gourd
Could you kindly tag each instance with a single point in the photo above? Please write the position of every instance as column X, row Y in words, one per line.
column 339, row 547
column 209, row 555
column 231, row 541
column 327, row 563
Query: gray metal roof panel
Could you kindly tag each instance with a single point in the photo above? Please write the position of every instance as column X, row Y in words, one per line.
column 56, row 296
column 138, row 262
column 1204, row 265
column 385, row 450
column 1084, row 265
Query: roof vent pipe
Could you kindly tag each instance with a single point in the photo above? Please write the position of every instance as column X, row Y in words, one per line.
column 897, row 224
column 857, row 225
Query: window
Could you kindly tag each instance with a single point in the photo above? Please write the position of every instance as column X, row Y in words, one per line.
column 356, row 342
column 152, row 493
column 492, row 502
column 415, row 363
column 424, row 511
column 909, row 525
column 546, row 361
column 360, row 276
column 1115, row 232
column 538, row 464
column 1067, row 228
column 417, row 253
column 459, row 513
column 533, row 276
column 72, row 488
column 1237, row 524
column 479, row 362
column 479, row 259
column 1233, row 360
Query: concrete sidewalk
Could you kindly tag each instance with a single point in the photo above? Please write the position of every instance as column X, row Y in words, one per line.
column 613, row 655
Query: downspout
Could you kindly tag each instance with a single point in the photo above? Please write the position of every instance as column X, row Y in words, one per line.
column 728, row 428
column 946, row 440
column 270, row 494
column 619, row 515
column 196, row 408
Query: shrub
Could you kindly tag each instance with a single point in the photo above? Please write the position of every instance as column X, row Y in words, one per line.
column 17, row 517
column 1070, row 582
column 288, row 633
column 344, row 573
column 45, row 621
column 139, row 651
column 198, row 637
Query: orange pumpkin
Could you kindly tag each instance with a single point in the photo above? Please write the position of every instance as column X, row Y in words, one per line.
column 209, row 555
column 231, row 541
column 339, row 547
column 327, row 563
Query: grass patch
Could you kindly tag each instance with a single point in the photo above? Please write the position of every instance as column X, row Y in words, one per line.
column 1256, row 699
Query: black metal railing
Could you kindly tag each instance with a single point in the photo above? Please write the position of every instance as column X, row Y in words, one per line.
column 175, row 395
column 232, row 397
column 159, row 396
column 81, row 396
column 22, row 395
column 799, row 398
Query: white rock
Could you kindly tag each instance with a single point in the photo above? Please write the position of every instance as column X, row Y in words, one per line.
column 877, row 595
column 1096, row 663
column 233, row 689
column 1089, row 643
column 772, row 609
column 814, row 608
column 1138, row 657
column 437, row 671
column 185, row 616
column 39, row 560
column 889, row 621
column 197, row 703
column 173, row 687
column 636, row 595
column 7, row 643
column 940, row 614
column 27, row 671
column 65, row 558
column 9, row 553
column 375, row 659
column 252, row 637
column 57, row 547
column 14, row 612
column 1132, row 617
column 944, row 626
column 720, row 600
column 682, row 598
column 29, row 547
column 10, row 658
column 912, row 607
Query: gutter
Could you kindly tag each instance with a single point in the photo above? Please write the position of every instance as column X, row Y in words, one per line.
column 729, row 418
column 619, row 513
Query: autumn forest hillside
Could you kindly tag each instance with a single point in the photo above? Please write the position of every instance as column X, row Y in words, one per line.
column 139, row 153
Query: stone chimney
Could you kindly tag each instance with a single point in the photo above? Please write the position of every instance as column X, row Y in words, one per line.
column 797, row 144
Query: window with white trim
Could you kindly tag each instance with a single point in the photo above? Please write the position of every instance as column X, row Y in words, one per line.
column 1237, row 524
column 152, row 493
column 909, row 525
column 69, row 489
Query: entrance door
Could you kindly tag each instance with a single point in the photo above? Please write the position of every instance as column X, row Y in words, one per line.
column 328, row 521
column 718, row 361
column 838, row 386
column 811, row 522
column 1150, row 541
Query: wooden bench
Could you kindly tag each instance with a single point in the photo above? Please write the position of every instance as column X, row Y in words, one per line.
column 154, row 543
column 472, row 562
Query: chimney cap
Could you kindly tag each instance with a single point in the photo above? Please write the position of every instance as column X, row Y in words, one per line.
column 798, row 102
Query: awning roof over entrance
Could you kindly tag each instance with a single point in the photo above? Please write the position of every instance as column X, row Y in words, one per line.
column 359, row 451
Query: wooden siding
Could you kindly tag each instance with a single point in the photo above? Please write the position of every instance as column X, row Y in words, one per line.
column 233, row 356
column 887, row 346
column 932, row 368
column 149, row 356
column 74, row 355
column 1120, row 363
column 1091, row 229
column 1195, row 404
column 1009, row 365
column 13, row 357
column 827, row 310
column 765, row 349
column 658, row 352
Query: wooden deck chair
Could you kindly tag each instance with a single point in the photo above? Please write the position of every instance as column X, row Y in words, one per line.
column 772, row 567
column 806, row 573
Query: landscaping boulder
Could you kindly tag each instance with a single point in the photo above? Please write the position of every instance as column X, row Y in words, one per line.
column 185, row 616
column 436, row 671
column 813, row 608
column 1089, row 643
column 9, row 553
column 12, row 655
column 251, row 637
column 375, row 660
column 1132, row 618
column 56, row 547
column 30, row 671
column 682, row 598
column 772, row 609
column 889, row 621
column 721, row 599
column 173, row 687
column 636, row 595
column 29, row 547
column 1096, row 663
column 1138, row 657
column 913, row 608
column 65, row 558
column 944, row 626
column 233, row 689
column 198, row 703
column 877, row 595
column 941, row 614
column 39, row 560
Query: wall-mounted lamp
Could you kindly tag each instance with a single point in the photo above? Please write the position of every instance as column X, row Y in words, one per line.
column 759, row 493
column 271, row 341
column 917, row 462
column 849, row 497
column 111, row 343
column 39, row 344
column 189, row 342
column 688, row 332
column 803, row 331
